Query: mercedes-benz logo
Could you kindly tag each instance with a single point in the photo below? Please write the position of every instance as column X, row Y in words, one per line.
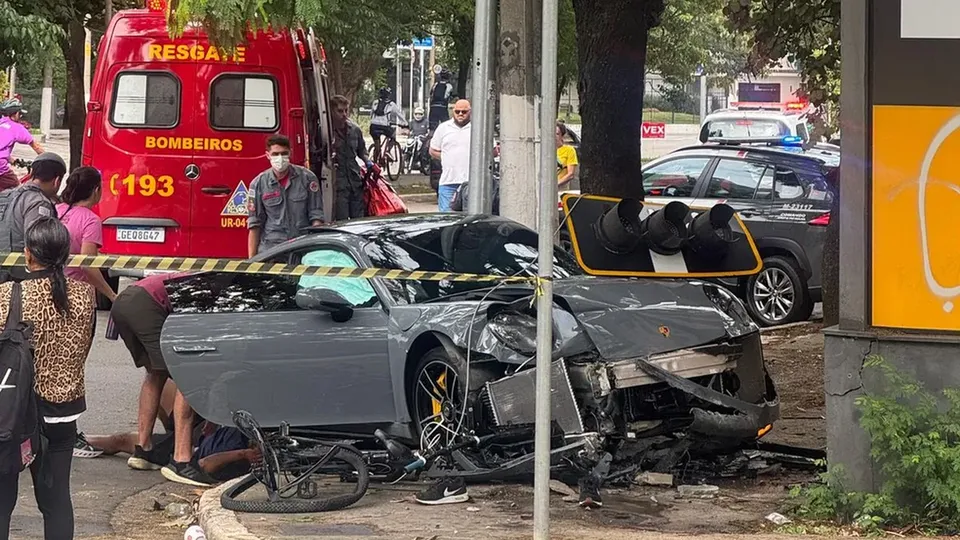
column 192, row 171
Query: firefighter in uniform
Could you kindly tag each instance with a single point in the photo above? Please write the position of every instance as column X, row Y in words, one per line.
column 21, row 206
column 281, row 201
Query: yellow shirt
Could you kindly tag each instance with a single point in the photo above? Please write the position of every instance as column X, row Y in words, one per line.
column 566, row 156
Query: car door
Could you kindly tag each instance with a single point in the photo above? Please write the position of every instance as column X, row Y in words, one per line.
column 674, row 179
column 291, row 364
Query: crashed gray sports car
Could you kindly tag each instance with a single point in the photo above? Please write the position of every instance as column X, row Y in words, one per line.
column 430, row 361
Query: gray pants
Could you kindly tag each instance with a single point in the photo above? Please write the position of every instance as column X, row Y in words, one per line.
column 350, row 203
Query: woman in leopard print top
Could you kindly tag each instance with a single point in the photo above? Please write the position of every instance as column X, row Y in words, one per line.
column 62, row 311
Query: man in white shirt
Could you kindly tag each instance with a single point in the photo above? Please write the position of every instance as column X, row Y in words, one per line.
column 451, row 145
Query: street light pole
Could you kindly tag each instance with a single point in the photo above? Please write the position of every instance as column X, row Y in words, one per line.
column 545, row 226
column 481, row 99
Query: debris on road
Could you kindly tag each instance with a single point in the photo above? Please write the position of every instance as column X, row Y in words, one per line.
column 778, row 519
column 560, row 488
column 702, row 491
column 649, row 478
column 177, row 509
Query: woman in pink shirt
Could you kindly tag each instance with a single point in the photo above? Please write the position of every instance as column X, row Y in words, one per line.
column 82, row 192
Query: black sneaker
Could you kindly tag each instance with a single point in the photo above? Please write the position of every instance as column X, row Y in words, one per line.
column 83, row 449
column 144, row 460
column 590, row 492
column 188, row 473
column 446, row 491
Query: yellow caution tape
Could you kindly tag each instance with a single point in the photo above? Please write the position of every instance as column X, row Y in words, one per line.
column 234, row 266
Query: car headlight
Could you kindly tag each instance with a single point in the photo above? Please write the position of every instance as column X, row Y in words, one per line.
column 515, row 330
column 729, row 304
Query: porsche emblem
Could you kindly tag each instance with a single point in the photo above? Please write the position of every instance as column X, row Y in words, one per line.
column 664, row 331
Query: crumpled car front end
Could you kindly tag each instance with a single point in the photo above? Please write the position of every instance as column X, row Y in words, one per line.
column 635, row 359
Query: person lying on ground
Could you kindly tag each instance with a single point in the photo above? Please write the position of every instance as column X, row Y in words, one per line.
column 126, row 443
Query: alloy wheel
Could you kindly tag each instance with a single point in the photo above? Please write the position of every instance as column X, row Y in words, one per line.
column 774, row 294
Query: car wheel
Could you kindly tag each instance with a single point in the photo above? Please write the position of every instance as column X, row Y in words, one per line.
column 439, row 404
column 777, row 294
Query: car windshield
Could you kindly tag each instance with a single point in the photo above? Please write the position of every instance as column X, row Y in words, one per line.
column 746, row 128
column 500, row 248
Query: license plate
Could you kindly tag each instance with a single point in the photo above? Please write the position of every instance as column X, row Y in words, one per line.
column 153, row 235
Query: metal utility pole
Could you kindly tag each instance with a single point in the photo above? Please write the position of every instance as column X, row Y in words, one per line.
column 546, row 226
column 413, row 93
column 399, row 85
column 46, row 101
column 519, row 59
column 481, row 96
column 12, row 80
column 703, row 97
column 423, row 91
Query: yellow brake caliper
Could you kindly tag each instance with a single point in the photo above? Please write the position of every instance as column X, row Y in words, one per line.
column 441, row 384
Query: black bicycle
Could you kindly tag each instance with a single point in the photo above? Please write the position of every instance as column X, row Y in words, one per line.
column 387, row 155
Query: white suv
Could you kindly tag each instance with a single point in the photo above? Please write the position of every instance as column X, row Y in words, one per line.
column 745, row 123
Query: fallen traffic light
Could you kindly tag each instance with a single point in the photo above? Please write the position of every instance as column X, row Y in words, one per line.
column 630, row 238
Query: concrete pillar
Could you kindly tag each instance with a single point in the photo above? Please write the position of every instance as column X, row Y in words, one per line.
column 46, row 101
column 898, row 283
column 519, row 87
column 13, row 80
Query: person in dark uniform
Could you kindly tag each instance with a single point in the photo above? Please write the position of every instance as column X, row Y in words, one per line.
column 348, row 145
column 21, row 206
column 282, row 200
column 439, row 99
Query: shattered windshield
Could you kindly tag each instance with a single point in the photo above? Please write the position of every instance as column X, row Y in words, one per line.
column 474, row 247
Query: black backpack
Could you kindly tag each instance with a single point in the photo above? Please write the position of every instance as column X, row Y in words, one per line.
column 19, row 410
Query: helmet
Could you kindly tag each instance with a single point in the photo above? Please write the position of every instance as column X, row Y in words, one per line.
column 418, row 110
column 48, row 166
column 11, row 106
column 384, row 93
column 445, row 75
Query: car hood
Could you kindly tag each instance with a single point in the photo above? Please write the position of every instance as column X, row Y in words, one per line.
column 627, row 318
column 616, row 318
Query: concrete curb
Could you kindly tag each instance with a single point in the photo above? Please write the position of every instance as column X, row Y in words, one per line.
column 218, row 523
column 419, row 198
column 764, row 330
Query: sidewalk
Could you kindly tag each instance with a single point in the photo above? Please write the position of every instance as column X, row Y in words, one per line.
column 505, row 512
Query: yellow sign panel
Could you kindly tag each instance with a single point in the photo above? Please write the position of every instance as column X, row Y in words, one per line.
column 916, row 217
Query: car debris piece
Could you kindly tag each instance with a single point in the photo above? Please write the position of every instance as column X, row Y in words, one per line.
column 649, row 478
column 559, row 487
column 702, row 491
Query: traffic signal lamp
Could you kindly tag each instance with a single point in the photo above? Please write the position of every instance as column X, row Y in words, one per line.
column 630, row 238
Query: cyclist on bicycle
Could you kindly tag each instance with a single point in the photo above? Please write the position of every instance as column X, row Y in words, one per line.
column 11, row 133
column 384, row 115
column 419, row 125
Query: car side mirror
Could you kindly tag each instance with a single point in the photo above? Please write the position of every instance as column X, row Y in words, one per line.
column 328, row 300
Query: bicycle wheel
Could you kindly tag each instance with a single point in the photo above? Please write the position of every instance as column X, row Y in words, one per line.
column 337, row 460
column 392, row 163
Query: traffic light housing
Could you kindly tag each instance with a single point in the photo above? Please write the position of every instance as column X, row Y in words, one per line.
column 631, row 238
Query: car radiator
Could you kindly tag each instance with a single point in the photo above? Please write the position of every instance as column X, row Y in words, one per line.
column 513, row 399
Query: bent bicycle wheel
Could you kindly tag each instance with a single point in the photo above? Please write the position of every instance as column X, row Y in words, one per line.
column 306, row 500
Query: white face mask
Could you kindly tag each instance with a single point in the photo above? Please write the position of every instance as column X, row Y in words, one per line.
column 280, row 163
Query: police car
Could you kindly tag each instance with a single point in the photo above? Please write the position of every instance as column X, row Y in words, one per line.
column 758, row 121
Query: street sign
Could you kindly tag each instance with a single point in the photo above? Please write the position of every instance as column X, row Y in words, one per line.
column 425, row 43
column 653, row 130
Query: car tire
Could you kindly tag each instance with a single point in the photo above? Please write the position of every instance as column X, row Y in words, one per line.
column 479, row 376
column 777, row 294
column 104, row 304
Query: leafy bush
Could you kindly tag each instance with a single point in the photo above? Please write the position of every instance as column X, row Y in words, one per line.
column 915, row 441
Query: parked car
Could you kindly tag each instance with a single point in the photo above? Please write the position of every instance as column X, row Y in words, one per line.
column 754, row 122
column 783, row 196
column 432, row 361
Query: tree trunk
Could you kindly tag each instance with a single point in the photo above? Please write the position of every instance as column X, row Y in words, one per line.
column 75, row 113
column 830, row 267
column 335, row 65
column 612, row 52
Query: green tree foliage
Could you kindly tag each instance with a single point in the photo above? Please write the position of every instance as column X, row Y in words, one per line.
column 805, row 32
column 24, row 35
column 696, row 33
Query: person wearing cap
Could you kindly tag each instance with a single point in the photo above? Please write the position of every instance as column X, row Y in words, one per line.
column 32, row 200
column 419, row 125
column 11, row 133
